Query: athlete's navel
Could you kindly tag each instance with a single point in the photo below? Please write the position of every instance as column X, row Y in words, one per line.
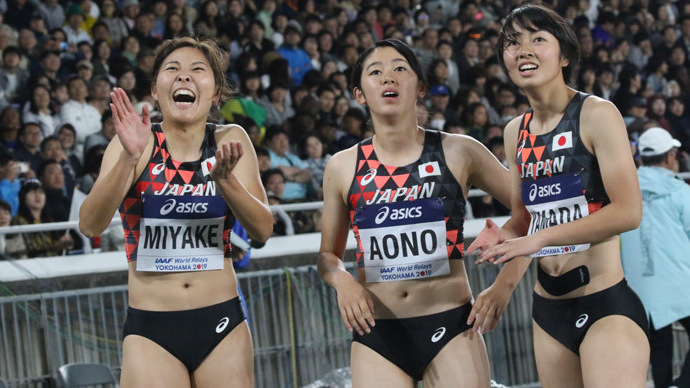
column 187, row 285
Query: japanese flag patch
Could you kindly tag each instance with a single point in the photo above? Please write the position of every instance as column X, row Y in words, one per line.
column 207, row 165
column 429, row 169
column 562, row 141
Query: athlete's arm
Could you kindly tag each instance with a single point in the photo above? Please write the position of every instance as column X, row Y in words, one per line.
column 490, row 303
column 603, row 132
column 356, row 306
column 236, row 174
column 125, row 151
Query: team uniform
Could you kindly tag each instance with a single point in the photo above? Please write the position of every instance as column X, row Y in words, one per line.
column 408, row 223
column 561, row 182
column 175, row 220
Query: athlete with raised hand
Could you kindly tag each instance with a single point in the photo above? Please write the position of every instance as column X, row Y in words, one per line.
column 179, row 186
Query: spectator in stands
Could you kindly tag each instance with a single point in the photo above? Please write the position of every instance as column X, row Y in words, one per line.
column 102, row 137
column 99, row 93
column 209, row 19
column 19, row 13
column 11, row 245
column 53, row 181
column 143, row 24
column 51, row 149
column 116, row 25
column 445, row 53
column 80, row 114
column 655, row 254
column 629, row 90
column 40, row 109
column 33, row 210
column 52, row 12
column 273, row 180
column 476, row 120
column 92, row 167
column 10, row 122
column 298, row 59
column 73, row 27
column 264, row 159
column 9, row 179
column 275, row 103
column 29, row 147
column 313, row 152
column 13, row 80
column 67, row 135
column 295, row 170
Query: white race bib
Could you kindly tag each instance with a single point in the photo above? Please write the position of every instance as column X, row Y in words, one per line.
column 403, row 240
column 554, row 201
column 181, row 233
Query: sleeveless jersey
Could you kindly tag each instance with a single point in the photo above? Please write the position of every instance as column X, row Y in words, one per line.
column 408, row 221
column 181, row 200
column 561, row 180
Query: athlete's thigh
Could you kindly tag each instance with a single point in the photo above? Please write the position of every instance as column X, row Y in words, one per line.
column 558, row 366
column 230, row 364
column 615, row 353
column 463, row 362
column 371, row 370
column 147, row 364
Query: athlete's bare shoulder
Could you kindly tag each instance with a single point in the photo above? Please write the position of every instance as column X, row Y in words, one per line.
column 230, row 132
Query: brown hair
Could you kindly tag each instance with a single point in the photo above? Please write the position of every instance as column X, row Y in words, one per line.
column 211, row 51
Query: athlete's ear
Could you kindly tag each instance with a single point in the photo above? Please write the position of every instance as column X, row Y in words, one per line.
column 422, row 90
column 359, row 96
column 154, row 94
column 565, row 62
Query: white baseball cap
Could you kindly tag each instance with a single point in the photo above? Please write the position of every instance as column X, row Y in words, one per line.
column 656, row 141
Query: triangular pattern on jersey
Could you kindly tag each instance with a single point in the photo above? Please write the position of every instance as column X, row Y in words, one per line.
column 165, row 176
column 536, row 159
column 389, row 180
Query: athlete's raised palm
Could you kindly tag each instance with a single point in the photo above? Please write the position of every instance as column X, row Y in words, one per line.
column 133, row 130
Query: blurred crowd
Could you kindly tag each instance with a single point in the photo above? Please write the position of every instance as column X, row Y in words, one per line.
column 290, row 62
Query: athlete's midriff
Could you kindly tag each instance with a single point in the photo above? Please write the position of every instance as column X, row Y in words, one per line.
column 603, row 263
column 176, row 291
column 411, row 298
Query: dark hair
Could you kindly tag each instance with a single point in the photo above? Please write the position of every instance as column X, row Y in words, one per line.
column 44, row 166
column 399, row 46
column 47, row 140
column 268, row 173
column 5, row 206
column 655, row 160
column 210, row 50
column 32, row 105
column 23, row 210
column 261, row 151
column 535, row 18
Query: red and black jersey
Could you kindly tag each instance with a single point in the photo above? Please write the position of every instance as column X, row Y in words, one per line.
column 165, row 176
column 429, row 177
column 559, row 152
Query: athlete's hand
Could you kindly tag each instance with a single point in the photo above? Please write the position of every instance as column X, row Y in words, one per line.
column 521, row 246
column 227, row 156
column 487, row 238
column 133, row 130
column 488, row 307
column 356, row 306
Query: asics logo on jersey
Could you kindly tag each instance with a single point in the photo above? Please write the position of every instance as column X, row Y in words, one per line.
column 398, row 214
column 184, row 208
column 368, row 178
column 581, row 320
column 222, row 325
column 543, row 191
column 438, row 334
column 157, row 169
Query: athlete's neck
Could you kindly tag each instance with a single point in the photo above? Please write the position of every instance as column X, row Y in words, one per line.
column 548, row 104
column 184, row 142
column 398, row 146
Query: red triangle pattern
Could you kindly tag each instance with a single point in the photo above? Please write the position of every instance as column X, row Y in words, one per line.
column 353, row 201
column 391, row 169
column 169, row 174
column 538, row 151
column 452, row 236
column 360, row 164
column 186, row 175
column 400, row 179
column 380, row 181
column 367, row 150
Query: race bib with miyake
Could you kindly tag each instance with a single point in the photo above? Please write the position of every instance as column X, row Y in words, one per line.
column 181, row 233
column 403, row 240
column 554, row 201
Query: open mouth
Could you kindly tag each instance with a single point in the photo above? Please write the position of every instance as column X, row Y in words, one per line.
column 390, row 94
column 184, row 97
column 528, row 67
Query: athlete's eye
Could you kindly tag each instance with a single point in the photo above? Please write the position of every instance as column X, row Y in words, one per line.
column 375, row 72
column 511, row 43
column 401, row 68
column 539, row 39
column 171, row 68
